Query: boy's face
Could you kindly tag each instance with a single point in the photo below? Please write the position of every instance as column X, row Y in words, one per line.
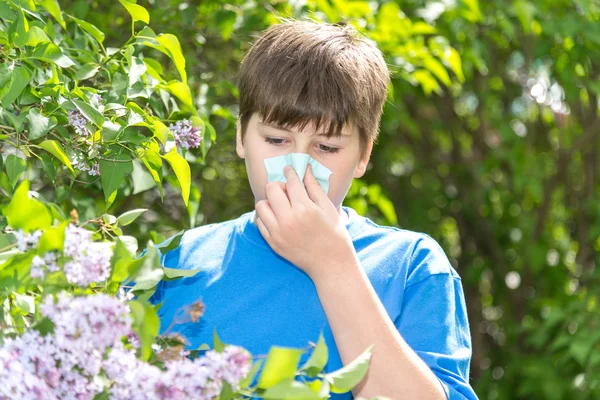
column 341, row 155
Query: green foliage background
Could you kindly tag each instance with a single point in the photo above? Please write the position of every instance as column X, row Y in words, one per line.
column 490, row 143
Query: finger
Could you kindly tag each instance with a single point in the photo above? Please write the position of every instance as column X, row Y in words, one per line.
column 266, row 215
column 315, row 191
column 263, row 231
column 296, row 191
column 278, row 200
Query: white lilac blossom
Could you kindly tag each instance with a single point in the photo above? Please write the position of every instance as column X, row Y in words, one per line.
column 186, row 135
column 41, row 265
column 27, row 241
column 78, row 121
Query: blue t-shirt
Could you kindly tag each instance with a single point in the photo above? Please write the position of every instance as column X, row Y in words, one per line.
column 256, row 299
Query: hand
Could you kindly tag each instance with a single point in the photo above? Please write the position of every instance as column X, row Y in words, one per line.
column 303, row 226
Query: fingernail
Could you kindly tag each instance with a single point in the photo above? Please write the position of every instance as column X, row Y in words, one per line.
column 287, row 169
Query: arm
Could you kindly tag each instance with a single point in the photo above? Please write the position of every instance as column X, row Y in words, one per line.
column 358, row 319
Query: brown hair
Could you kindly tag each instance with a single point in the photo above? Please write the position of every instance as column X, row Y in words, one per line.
column 300, row 72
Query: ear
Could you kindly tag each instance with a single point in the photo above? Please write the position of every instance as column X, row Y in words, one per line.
column 239, row 142
column 364, row 161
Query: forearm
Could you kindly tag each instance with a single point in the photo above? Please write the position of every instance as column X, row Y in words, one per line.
column 358, row 320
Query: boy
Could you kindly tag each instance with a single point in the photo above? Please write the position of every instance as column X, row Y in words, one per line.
column 300, row 263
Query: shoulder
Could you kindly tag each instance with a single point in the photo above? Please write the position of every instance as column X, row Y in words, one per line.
column 421, row 255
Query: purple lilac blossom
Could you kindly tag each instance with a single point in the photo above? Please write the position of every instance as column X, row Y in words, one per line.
column 39, row 265
column 87, row 344
column 78, row 121
column 186, row 135
column 27, row 241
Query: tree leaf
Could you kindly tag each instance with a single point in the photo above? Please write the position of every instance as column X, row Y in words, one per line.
column 438, row 70
column 281, row 364
column 346, row 378
column 182, row 170
column 290, row 389
column 53, row 238
column 171, row 44
column 87, row 71
column 19, row 79
column 174, row 273
column 54, row 148
column 137, row 12
column 128, row 217
column 318, row 359
column 146, row 272
column 25, row 212
column 171, row 243
column 218, row 345
column 39, row 125
column 36, row 36
column 14, row 168
column 113, row 173
column 145, row 324
column 89, row 112
column 53, row 9
column 182, row 91
column 89, row 28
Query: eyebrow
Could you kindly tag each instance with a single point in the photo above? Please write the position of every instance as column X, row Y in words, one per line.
column 282, row 128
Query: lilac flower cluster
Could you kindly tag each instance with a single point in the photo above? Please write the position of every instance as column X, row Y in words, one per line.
column 26, row 241
column 86, row 355
column 78, row 121
column 186, row 135
column 90, row 262
column 199, row 379
column 82, row 164
column 39, row 265
column 64, row 365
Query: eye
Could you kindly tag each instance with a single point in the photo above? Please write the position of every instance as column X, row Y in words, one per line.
column 328, row 149
column 274, row 141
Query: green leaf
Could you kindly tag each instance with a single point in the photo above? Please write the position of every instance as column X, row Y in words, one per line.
column 54, row 9
column 290, row 389
column 153, row 163
column 145, row 324
column 250, row 377
column 454, row 61
column 218, row 345
column 146, row 272
column 137, row 12
column 48, row 167
column 182, row 91
column 182, row 170
column 25, row 303
column 128, row 217
column 346, row 378
column 174, row 273
column 39, row 125
column 36, row 36
column 170, row 244
column 19, row 29
column 281, row 364
column 89, row 28
column 89, row 112
column 438, row 70
column 54, row 148
column 120, row 262
column 27, row 213
column 137, row 69
column 53, row 239
column 14, row 168
column 87, row 71
column 318, row 359
column 161, row 132
column 171, row 44
column 113, row 173
column 19, row 79
column 50, row 52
